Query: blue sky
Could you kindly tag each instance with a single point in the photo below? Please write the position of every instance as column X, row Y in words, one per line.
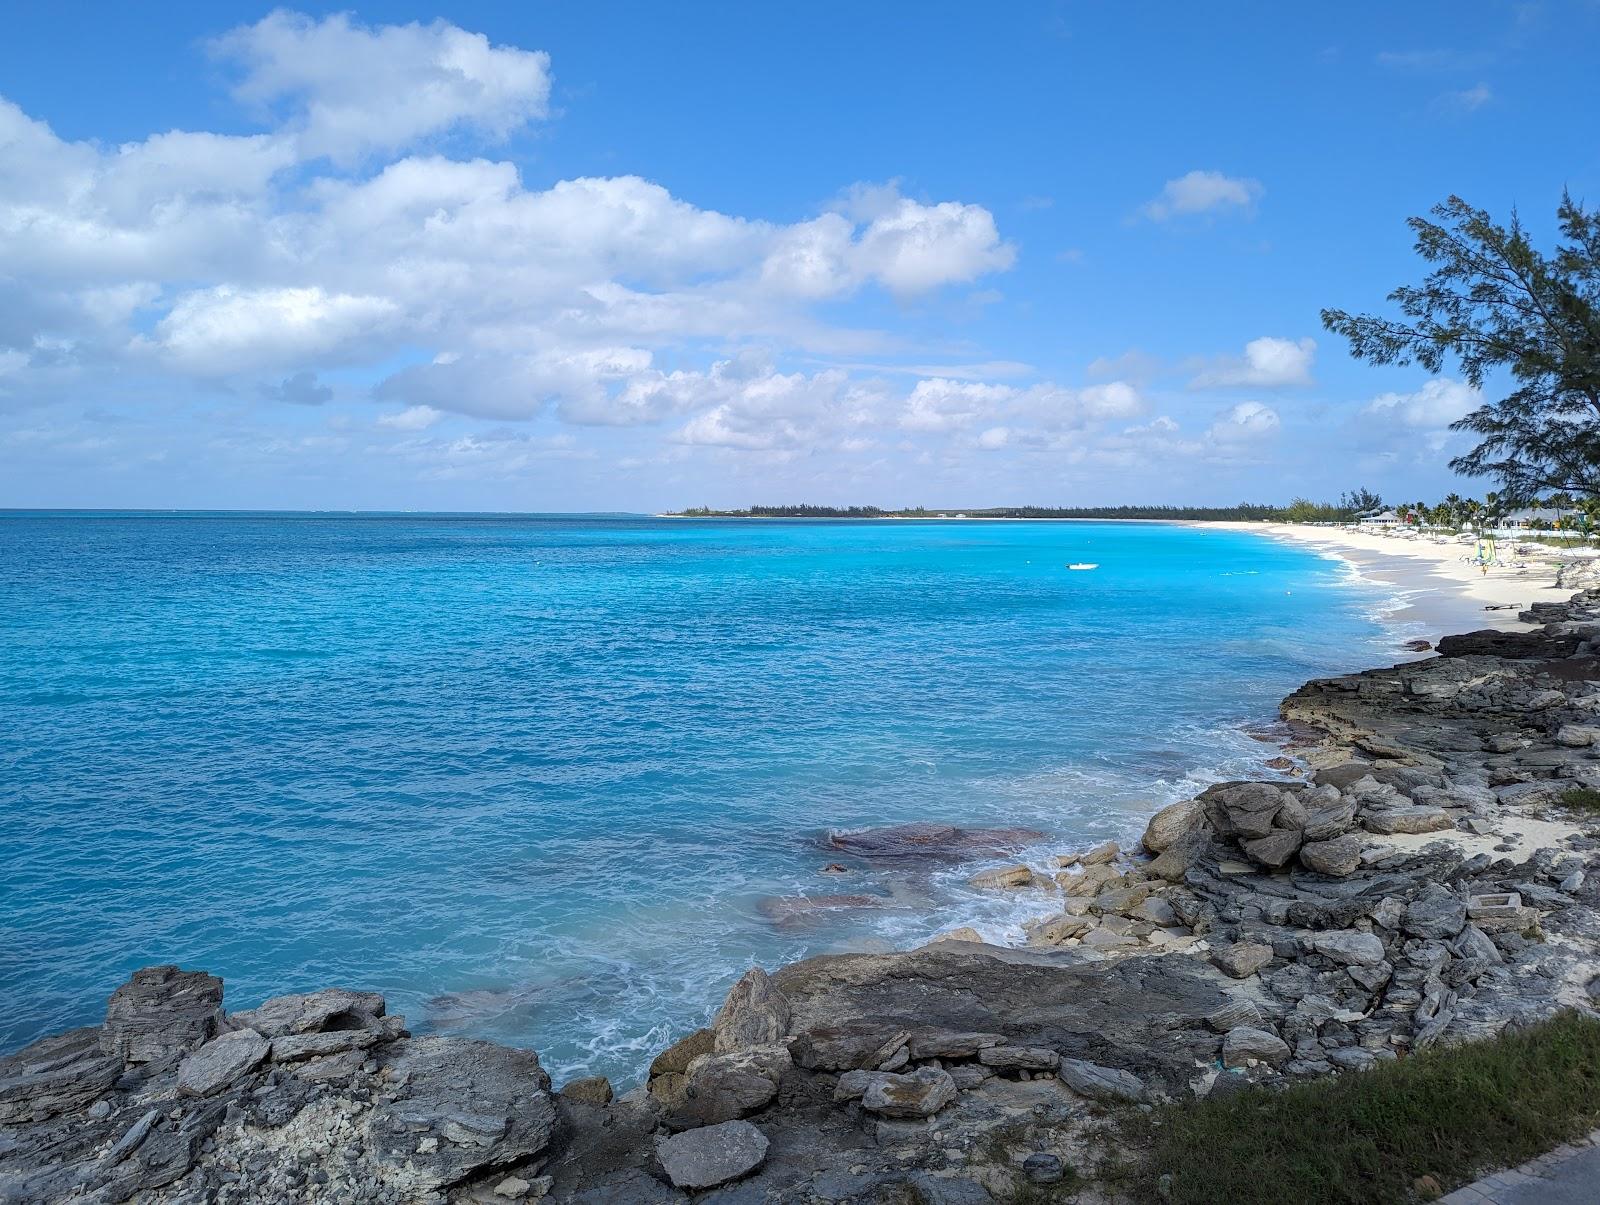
column 545, row 256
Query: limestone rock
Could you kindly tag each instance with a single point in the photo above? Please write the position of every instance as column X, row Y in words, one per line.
column 1437, row 912
column 332, row 1008
column 1106, row 940
column 722, row 1087
column 950, row 1044
column 1348, row 947
column 1003, row 877
column 460, row 1106
column 1025, row 1058
column 1242, row 959
column 1087, row 883
column 590, row 1090
column 292, row 1047
column 1338, row 857
column 1242, row 1045
column 1352, row 1058
column 220, row 1062
column 1119, row 900
column 718, row 1154
column 55, row 1075
column 1041, row 1167
column 677, row 1057
column 1234, row 1014
column 1173, row 863
column 754, row 1014
column 1106, row 851
column 1243, row 810
column 852, row 1084
column 919, row 1093
column 1100, row 1083
column 161, row 1011
column 1329, row 820
column 1275, row 849
column 1407, row 820
column 1155, row 911
column 963, row 933
column 1058, row 929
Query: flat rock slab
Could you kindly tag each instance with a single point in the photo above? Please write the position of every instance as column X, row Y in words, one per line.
column 55, row 1075
column 919, row 1093
column 705, row 1158
column 1054, row 999
column 333, row 1008
column 1100, row 1083
column 221, row 1061
column 465, row 1105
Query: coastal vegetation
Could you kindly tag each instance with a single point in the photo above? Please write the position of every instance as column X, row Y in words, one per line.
column 1510, row 315
column 1441, row 1115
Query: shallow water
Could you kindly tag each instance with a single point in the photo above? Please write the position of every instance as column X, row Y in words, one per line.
column 556, row 781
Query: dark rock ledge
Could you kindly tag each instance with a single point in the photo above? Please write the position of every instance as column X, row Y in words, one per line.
column 1419, row 880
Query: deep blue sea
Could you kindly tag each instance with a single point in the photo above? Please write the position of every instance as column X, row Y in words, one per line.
column 558, row 780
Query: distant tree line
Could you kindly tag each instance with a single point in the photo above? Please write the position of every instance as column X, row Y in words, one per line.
column 1350, row 506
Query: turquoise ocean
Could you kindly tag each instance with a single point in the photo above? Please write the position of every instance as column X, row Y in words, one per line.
column 558, row 780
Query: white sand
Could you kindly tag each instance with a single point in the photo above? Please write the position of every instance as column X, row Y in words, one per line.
column 1443, row 592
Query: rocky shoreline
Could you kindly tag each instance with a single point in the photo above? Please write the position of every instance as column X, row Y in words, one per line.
column 1424, row 874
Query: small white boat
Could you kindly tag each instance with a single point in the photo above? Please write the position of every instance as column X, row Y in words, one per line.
column 1083, row 565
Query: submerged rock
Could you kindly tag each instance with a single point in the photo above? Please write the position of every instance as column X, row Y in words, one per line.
column 1004, row 877
column 928, row 841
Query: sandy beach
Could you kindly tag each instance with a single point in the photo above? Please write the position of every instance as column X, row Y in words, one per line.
column 1444, row 592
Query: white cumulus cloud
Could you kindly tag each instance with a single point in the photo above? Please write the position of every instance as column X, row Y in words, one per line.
column 1266, row 363
column 348, row 89
column 225, row 329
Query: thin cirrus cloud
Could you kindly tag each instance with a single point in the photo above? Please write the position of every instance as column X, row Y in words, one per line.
column 1244, row 422
column 1440, row 402
column 1203, row 193
column 1467, row 100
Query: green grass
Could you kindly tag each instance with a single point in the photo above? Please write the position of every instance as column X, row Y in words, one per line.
column 1581, row 799
column 1450, row 1113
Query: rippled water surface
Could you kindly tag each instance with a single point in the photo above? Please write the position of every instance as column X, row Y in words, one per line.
column 557, row 780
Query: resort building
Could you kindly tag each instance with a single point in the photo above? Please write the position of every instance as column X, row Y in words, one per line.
column 1541, row 518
